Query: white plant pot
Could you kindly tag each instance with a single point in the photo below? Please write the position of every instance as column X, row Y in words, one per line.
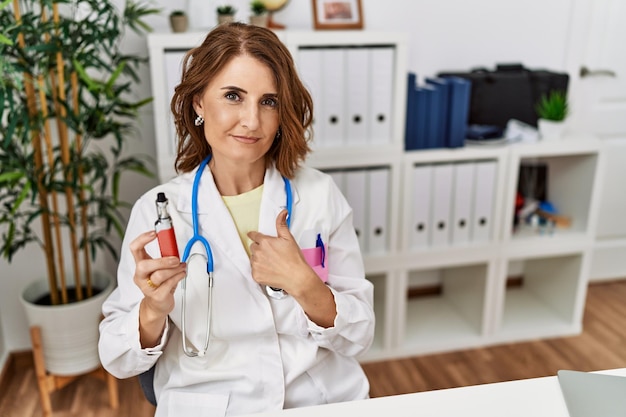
column 259, row 20
column 550, row 130
column 179, row 23
column 69, row 332
column 225, row 18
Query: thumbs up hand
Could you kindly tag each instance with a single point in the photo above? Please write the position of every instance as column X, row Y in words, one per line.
column 282, row 229
column 277, row 261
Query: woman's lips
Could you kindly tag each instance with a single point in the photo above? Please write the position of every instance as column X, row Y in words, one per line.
column 246, row 139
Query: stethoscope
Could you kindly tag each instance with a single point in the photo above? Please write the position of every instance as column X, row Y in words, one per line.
column 275, row 293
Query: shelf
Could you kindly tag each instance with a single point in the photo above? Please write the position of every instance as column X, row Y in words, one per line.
column 549, row 301
column 429, row 258
column 469, row 254
column 360, row 156
column 453, row 318
column 570, row 186
column 444, row 330
column 561, row 243
column 467, row 153
column 527, row 317
column 574, row 146
column 381, row 264
column 344, row 38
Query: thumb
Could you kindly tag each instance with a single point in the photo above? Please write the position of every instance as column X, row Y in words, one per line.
column 282, row 230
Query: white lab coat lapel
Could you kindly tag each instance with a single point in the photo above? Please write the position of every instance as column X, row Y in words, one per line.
column 274, row 200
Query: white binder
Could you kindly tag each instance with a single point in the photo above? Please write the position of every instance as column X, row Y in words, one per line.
column 421, row 203
column 332, row 106
column 357, row 96
column 378, row 209
column 309, row 66
column 485, row 182
column 356, row 194
column 442, row 204
column 381, row 94
column 339, row 177
column 462, row 207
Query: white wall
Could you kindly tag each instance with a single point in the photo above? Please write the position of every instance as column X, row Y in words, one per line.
column 443, row 35
column 3, row 349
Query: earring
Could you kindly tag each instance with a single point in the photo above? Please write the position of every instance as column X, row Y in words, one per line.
column 199, row 120
column 278, row 133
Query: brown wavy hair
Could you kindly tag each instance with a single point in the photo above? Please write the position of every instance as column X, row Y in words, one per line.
column 201, row 64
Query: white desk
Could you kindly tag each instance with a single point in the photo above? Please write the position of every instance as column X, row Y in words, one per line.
column 537, row 397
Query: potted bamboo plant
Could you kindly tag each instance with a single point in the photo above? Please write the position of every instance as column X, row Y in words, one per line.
column 66, row 113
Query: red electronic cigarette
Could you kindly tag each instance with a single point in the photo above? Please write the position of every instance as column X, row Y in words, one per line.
column 164, row 229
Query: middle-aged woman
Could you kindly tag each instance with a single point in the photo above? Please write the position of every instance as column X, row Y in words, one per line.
column 290, row 308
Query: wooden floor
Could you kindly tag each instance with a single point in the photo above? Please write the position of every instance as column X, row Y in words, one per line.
column 602, row 345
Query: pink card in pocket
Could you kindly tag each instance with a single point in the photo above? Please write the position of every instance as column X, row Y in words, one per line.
column 315, row 257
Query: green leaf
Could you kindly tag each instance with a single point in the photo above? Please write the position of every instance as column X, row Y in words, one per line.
column 134, row 13
column 82, row 74
column 115, row 75
column 11, row 176
column 115, row 188
column 117, row 225
column 23, row 194
column 6, row 41
column 8, row 241
column 553, row 106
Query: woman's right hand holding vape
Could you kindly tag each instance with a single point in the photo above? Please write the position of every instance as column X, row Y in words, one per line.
column 157, row 279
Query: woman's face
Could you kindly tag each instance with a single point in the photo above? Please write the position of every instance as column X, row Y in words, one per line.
column 240, row 110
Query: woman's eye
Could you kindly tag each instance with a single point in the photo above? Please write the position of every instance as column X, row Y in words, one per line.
column 232, row 96
column 272, row 102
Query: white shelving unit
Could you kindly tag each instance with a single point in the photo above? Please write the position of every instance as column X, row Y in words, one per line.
column 475, row 305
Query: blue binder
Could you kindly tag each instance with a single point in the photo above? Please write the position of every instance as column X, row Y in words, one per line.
column 443, row 85
column 422, row 118
column 459, row 110
column 433, row 113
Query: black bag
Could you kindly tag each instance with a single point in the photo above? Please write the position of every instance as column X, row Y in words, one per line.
column 509, row 92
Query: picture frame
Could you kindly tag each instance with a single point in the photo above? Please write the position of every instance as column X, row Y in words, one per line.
column 337, row 14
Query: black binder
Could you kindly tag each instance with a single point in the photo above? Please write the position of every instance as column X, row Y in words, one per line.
column 511, row 91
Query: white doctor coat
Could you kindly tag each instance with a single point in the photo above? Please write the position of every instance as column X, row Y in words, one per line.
column 264, row 354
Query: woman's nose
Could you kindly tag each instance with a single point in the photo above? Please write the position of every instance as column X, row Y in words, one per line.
column 250, row 116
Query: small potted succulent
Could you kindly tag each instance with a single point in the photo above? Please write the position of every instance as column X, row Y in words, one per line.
column 179, row 21
column 259, row 16
column 226, row 13
column 552, row 110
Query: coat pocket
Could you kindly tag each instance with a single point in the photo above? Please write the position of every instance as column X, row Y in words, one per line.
column 314, row 249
